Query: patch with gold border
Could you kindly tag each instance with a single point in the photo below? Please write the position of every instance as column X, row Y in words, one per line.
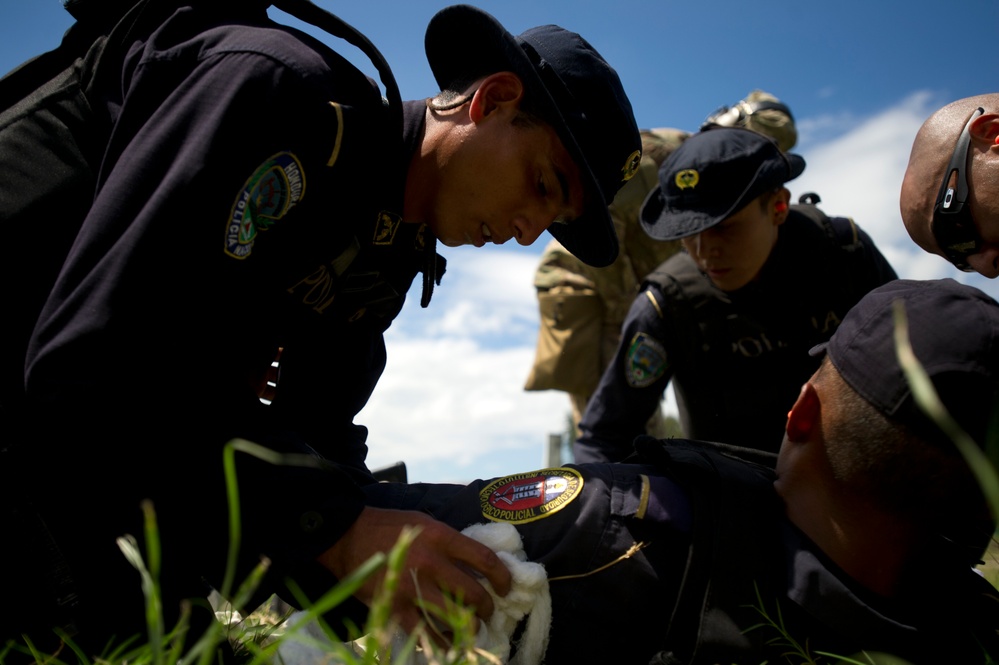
column 527, row 497
column 687, row 179
column 631, row 165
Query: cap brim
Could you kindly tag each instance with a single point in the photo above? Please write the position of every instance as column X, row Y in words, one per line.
column 661, row 223
column 485, row 47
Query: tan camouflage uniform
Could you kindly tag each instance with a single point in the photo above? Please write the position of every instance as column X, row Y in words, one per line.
column 604, row 294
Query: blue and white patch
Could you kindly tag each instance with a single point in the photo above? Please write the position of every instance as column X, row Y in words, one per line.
column 646, row 361
column 267, row 196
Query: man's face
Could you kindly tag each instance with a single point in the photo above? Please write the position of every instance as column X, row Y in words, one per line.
column 918, row 221
column 733, row 252
column 506, row 179
column 920, row 188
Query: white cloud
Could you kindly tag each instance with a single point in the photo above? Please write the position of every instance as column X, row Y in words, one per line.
column 452, row 404
column 858, row 174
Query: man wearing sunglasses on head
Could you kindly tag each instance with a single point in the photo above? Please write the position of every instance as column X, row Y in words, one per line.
column 948, row 200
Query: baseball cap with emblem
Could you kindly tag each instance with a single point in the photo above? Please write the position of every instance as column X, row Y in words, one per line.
column 954, row 332
column 567, row 84
column 711, row 176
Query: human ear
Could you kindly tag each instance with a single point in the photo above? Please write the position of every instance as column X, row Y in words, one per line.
column 500, row 91
column 780, row 205
column 803, row 418
column 986, row 128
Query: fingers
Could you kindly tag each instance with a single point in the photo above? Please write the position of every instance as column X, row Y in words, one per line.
column 480, row 561
column 449, row 561
column 439, row 561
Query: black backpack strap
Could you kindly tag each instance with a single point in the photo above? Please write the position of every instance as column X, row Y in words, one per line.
column 309, row 12
column 97, row 19
column 841, row 230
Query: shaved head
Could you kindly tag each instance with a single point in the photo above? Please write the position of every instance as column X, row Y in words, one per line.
column 931, row 152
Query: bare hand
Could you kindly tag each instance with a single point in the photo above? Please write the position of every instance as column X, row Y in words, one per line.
column 442, row 561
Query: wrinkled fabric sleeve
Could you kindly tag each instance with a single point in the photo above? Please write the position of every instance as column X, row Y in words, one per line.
column 142, row 347
column 624, row 402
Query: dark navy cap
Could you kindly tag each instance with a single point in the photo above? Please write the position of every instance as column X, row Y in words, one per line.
column 570, row 86
column 954, row 332
column 711, row 176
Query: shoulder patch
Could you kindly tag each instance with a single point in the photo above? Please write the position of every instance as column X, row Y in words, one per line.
column 527, row 497
column 646, row 361
column 268, row 194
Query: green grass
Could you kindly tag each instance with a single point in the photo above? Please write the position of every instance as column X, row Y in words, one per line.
column 258, row 639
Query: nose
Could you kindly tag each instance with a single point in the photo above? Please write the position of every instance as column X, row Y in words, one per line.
column 528, row 229
column 703, row 245
column 986, row 262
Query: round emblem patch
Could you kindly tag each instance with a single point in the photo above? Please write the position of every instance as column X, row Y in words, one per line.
column 687, row 178
column 526, row 497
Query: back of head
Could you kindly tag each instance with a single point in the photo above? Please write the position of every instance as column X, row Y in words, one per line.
column 880, row 441
column 761, row 112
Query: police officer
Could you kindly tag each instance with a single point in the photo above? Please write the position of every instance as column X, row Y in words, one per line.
column 729, row 320
column 583, row 307
column 256, row 193
column 860, row 544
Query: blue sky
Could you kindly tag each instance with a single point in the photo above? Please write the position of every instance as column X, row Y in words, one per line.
column 859, row 76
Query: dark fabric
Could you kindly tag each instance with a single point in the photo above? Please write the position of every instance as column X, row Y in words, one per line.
column 720, row 554
column 600, row 524
column 231, row 211
column 737, row 359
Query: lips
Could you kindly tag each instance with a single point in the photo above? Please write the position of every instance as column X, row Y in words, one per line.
column 487, row 236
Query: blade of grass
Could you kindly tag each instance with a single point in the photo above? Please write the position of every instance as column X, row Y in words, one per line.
column 928, row 400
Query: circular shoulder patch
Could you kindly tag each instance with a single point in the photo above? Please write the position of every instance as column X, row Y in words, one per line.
column 526, row 497
column 646, row 361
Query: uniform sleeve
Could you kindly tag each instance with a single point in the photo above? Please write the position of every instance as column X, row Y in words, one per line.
column 632, row 386
column 144, row 347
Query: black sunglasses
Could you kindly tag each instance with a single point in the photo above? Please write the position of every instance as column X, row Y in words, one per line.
column 952, row 226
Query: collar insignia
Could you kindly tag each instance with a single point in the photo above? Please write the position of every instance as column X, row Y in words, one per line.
column 630, row 167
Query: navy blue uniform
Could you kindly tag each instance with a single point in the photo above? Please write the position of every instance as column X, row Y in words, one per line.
column 249, row 199
column 716, row 549
column 737, row 360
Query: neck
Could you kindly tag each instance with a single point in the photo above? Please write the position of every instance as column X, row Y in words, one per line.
column 420, row 182
column 871, row 546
